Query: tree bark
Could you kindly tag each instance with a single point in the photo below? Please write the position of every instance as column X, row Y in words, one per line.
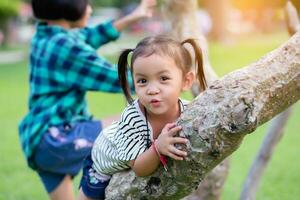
column 211, row 187
column 216, row 122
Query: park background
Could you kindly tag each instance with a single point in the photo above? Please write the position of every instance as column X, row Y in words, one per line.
column 252, row 29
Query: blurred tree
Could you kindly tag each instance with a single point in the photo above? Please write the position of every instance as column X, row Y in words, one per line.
column 258, row 4
column 8, row 10
column 218, row 12
column 262, row 13
column 296, row 3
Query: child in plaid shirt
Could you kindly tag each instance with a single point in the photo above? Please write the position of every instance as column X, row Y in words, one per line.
column 58, row 131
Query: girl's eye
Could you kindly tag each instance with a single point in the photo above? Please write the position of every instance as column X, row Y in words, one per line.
column 164, row 78
column 141, row 81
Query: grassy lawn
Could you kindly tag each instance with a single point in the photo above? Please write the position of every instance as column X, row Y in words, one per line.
column 280, row 181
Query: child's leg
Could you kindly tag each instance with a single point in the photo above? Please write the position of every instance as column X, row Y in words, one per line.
column 92, row 184
column 64, row 191
column 81, row 196
column 61, row 153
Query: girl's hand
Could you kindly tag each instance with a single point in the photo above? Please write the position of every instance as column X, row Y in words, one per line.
column 166, row 140
column 145, row 9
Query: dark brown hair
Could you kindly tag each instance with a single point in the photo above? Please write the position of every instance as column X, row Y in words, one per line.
column 71, row 10
column 163, row 46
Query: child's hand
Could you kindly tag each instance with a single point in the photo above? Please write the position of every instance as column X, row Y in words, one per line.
column 145, row 9
column 166, row 140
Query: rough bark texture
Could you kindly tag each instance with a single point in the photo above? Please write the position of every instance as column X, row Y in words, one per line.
column 212, row 185
column 262, row 159
column 216, row 122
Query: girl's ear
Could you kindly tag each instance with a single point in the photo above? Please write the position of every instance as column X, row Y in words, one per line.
column 188, row 81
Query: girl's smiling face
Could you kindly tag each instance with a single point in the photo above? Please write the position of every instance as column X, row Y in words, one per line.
column 159, row 82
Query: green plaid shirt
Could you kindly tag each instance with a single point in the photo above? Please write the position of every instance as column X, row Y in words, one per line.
column 63, row 66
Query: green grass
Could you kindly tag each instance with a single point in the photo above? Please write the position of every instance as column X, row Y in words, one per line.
column 281, row 178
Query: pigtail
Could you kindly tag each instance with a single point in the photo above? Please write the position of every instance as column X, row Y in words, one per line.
column 123, row 74
column 199, row 62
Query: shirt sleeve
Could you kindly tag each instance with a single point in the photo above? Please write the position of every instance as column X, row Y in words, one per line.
column 98, row 35
column 129, row 142
column 81, row 67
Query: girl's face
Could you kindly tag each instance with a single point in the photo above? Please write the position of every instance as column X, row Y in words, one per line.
column 84, row 19
column 158, row 83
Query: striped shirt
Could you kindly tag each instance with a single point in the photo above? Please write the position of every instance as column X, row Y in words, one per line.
column 64, row 65
column 123, row 141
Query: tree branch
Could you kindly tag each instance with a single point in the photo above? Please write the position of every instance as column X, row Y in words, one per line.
column 216, row 122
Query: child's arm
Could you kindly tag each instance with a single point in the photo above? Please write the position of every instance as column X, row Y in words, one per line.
column 78, row 66
column 98, row 35
column 145, row 9
column 105, row 32
column 147, row 162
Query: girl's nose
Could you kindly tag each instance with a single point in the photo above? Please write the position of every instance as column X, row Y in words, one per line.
column 152, row 90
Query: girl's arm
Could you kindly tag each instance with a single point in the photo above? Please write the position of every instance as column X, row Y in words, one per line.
column 147, row 162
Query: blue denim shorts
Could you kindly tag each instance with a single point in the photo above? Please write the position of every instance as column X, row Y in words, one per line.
column 91, row 184
column 62, row 151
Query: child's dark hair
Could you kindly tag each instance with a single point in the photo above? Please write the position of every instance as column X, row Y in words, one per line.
column 163, row 46
column 71, row 10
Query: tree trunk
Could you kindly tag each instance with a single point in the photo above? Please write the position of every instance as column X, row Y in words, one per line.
column 292, row 18
column 218, row 10
column 211, row 187
column 216, row 122
column 5, row 31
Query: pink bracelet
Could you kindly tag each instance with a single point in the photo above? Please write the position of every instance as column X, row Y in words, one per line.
column 162, row 158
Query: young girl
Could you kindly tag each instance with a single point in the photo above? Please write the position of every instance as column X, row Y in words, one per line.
column 58, row 131
column 161, row 69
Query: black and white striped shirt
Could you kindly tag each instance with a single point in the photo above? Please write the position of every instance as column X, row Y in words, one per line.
column 123, row 141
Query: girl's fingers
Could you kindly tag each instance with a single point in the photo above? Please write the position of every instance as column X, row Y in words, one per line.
column 169, row 126
column 174, row 130
column 176, row 140
column 175, row 157
column 178, row 152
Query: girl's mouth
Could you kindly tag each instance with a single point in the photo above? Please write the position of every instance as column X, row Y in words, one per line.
column 155, row 102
